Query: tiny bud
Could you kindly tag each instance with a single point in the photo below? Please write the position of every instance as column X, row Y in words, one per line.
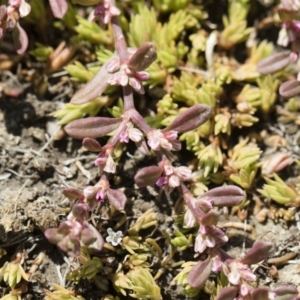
column 290, row 88
column 113, row 65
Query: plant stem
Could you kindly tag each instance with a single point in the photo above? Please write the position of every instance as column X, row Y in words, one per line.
column 120, row 43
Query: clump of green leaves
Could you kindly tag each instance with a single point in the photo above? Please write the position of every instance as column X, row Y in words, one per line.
column 279, row 191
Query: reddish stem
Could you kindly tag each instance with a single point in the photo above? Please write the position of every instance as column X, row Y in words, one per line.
column 120, row 43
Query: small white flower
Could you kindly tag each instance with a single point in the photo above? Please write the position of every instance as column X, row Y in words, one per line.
column 114, row 238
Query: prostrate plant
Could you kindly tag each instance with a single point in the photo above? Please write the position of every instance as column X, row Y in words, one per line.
column 126, row 67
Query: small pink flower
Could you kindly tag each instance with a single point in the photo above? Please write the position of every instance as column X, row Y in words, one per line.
column 24, row 9
column 203, row 240
column 131, row 133
column 217, row 264
column 100, row 195
column 106, row 11
column 208, row 237
column 238, row 272
column 110, row 166
column 171, row 177
column 157, row 140
column 100, row 191
column 106, row 162
column 126, row 76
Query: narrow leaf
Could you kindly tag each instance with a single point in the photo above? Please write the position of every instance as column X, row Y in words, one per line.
column 92, row 127
column 229, row 195
column 200, row 273
column 95, row 87
column 59, row 8
column 290, row 88
column 116, row 199
column 259, row 251
column 274, row 62
column 190, row 118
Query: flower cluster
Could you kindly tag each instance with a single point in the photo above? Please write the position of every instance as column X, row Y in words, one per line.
column 76, row 231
